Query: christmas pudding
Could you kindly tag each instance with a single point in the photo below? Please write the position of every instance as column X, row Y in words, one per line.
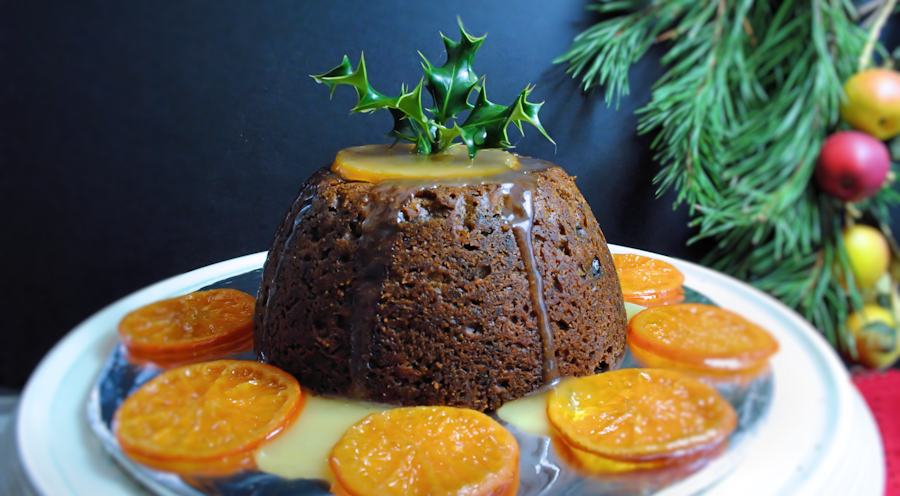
column 430, row 273
column 410, row 280
column 464, row 292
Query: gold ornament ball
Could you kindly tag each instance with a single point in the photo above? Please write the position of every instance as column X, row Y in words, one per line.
column 875, row 331
column 873, row 102
column 868, row 252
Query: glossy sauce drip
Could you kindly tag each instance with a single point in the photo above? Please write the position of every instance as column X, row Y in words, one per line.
column 298, row 211
column 377, row 234
column 302, row 450
column 518, row 205
column 517, row 188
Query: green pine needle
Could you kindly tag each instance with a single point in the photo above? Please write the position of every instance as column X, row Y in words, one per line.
column 750, row 91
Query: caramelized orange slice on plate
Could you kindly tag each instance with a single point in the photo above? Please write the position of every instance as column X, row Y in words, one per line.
column 647, row 281
column 196, row 326
column 701, row 335
column 666, row 298
column 212, row 351
column 207, row 418
column 639, row 415
column 709, row 375
column 591, row 464
column 426, row 451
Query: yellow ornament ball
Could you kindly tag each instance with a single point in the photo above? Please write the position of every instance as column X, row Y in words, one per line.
column 869, row 254
column 872, row 102
column 875, row 332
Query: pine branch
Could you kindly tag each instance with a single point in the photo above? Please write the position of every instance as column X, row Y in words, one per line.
column 865, row 59
column 602, row 55
column 749, row 92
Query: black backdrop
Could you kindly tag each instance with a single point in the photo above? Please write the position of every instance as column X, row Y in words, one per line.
column 143, row 139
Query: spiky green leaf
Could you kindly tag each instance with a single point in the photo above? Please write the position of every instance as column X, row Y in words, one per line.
column 368, row 99
column 410, row 121
column 451, row 84
column 488, row 123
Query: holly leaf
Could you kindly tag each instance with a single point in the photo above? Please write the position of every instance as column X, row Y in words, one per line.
column 527, row 112
column 408, row 106
column 488, row 123
column 368, row 99
column 410, row 121
column 403, row 129
column 451, row 84
column 471, row 136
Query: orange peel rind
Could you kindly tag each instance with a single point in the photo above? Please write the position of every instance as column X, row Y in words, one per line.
column 424, row 451
column 207, row 418
column 197, row 326
column 702, row 336
column 639, row 415
column 648, row 281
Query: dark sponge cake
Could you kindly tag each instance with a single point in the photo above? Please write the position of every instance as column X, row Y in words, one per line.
column 423, row 294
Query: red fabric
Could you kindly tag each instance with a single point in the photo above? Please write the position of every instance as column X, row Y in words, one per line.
column 882, row 392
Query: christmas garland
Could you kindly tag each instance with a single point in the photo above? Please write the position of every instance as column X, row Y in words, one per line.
column 750, row 91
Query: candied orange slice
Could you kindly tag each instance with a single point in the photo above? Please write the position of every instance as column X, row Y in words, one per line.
column 207, row 418
column 339, row 490
column 376, row 163
column 192, row 327
column 703, row 335
column 426, row 451
column 647, row 281
column 751, row 371
column 639, row 415
column 172, row 359
column 666, row 298
column 591, row 464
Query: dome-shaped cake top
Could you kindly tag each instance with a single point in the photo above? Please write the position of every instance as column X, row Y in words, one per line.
column 443, row 270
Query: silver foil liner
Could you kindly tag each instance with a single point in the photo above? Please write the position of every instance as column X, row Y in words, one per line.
column 542, row 472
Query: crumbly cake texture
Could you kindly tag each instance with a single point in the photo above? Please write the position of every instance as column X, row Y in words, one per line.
column 437, row 309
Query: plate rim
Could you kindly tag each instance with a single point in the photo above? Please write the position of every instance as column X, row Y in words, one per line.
column 839, row 377
column 41, row 386
column 37, row 393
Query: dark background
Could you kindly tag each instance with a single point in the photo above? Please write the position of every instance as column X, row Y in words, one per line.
column 142, row 139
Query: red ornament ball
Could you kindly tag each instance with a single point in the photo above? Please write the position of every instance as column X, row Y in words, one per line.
column 852, row 165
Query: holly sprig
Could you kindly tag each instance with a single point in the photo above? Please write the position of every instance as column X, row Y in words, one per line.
column 433, row 129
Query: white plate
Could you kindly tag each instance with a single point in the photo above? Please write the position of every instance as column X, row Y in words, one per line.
column 819, row 437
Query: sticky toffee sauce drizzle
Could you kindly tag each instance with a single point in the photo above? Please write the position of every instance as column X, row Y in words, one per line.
column 519, row 205
column 379, row 229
